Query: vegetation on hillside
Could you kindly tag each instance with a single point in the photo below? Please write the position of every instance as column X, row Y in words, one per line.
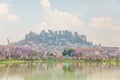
column 55, row 38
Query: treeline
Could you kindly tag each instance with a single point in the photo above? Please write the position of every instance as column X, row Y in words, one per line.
column 17, row 52
column 90, row 54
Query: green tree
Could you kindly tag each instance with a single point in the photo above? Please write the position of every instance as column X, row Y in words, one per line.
column 67, row 52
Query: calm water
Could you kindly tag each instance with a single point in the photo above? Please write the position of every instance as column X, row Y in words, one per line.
column 60, row 71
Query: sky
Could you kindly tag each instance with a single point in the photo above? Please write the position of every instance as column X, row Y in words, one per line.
column 99, row 20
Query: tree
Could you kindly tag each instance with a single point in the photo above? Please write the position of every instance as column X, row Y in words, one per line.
column 76, row 34
column 64, row 53
column 67, row 52
column 31, row 36
column 83, row 37
column 50, row 32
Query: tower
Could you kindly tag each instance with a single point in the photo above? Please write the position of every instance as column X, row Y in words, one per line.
column 8, row 41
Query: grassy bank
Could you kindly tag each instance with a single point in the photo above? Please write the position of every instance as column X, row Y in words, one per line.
column 11, row 61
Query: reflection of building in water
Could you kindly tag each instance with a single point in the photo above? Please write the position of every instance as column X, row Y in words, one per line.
column 109, row 49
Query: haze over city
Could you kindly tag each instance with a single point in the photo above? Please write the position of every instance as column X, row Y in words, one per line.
column 98, row 20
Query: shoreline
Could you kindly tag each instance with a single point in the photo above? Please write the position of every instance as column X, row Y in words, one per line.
column 12, row 61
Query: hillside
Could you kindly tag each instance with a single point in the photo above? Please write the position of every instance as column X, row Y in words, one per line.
column 54, row 39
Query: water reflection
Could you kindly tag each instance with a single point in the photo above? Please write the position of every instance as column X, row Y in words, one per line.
column 60, row 71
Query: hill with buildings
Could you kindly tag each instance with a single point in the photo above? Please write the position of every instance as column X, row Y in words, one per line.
column 54, row 39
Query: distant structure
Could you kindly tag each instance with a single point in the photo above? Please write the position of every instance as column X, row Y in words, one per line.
column 109, row 49
column 51, row 39
column 8, row 41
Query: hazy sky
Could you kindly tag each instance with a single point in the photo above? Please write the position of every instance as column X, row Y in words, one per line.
column 99, row 20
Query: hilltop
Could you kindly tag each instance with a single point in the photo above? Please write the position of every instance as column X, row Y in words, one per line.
column 54, row 39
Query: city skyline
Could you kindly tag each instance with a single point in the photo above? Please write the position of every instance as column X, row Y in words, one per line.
column 98, row 20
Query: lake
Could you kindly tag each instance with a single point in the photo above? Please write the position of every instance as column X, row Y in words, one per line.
column 60, row 71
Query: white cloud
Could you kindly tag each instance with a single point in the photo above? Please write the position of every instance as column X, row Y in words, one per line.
column 5, row 13
column 108, row 41
column 105, row 23
column 62, row 20
column 4, row 8
column 116, row 40
column 45, row 4
column 12, row 17
column 43, row 25
column 106, row 31
column 2, row 34
column 58, row 20
column 6, row 18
